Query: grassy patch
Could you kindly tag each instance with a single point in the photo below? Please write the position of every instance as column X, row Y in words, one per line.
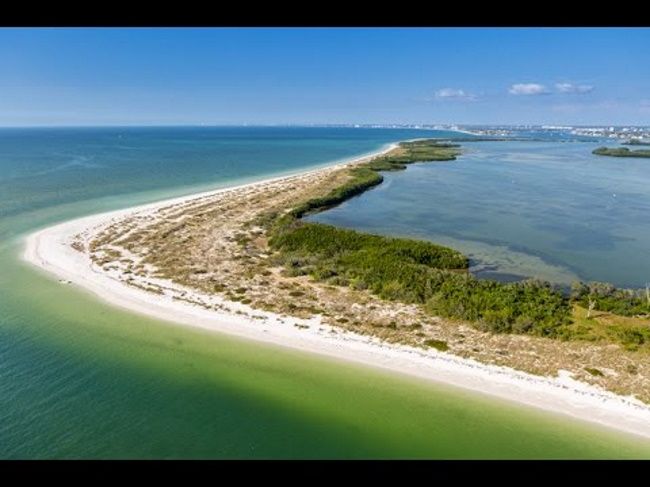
column 631, row 333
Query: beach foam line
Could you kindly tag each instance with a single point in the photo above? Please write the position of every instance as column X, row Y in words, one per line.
column 50, row 250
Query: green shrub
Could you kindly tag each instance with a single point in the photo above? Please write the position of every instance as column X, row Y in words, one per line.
column 624, row 302
column 594, row 372
column 437, row 344
column 632, row 337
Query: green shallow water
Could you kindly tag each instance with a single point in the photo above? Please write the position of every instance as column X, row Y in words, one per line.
column 81, row 379
column 90, row 381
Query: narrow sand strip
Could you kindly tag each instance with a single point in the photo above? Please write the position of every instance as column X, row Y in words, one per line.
column 50, row 250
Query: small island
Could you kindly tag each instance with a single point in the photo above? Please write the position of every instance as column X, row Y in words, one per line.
column 621, row 152
column 636, row 142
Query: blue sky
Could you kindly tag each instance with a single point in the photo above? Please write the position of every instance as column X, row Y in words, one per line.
column 167, row 76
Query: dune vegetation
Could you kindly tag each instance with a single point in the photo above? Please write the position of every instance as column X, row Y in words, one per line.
column 253, row 248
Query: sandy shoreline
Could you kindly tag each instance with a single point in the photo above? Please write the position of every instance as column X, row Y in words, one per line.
column 50, row 250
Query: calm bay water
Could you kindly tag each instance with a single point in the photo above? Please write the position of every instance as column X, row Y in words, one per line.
column 80, row 379
column 550, row 210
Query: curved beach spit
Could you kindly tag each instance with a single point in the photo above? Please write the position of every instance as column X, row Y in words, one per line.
column 62, row 250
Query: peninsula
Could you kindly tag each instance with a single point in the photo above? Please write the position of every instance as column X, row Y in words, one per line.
column 243, row 261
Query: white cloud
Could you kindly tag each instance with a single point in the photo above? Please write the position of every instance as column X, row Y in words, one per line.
column 573, row 89
column 528, row 89
column 452, row 93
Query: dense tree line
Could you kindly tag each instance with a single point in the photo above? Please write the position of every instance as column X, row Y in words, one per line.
column 367, row 175
column 420, row 272
column 363, row 179
column 533, row 306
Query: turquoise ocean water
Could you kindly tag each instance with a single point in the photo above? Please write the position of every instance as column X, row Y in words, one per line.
column 80, row 379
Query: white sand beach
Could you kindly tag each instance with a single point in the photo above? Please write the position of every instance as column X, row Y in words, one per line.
column 51, row 250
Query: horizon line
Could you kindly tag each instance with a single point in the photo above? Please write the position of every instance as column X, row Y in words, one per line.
column 413, row 125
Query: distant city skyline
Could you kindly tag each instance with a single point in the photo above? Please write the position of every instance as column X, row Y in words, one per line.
column 234, row 76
